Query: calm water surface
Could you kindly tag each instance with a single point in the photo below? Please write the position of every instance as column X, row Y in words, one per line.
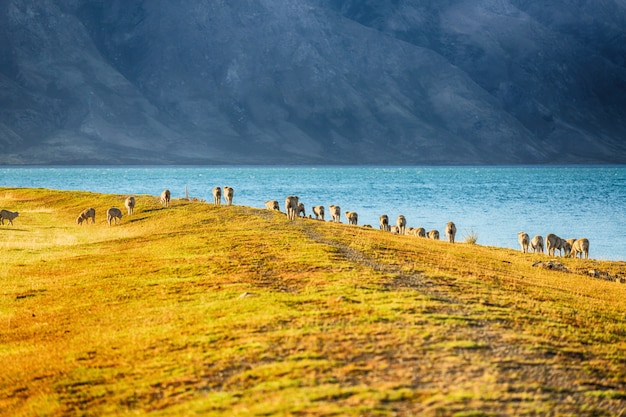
column 492, row 202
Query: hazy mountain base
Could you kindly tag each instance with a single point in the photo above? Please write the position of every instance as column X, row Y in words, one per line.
column 310, row 82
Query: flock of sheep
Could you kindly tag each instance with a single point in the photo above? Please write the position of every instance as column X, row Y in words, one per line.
column 295, row 208
column 569, row 247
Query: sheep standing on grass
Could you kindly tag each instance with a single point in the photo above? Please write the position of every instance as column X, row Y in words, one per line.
column 536, row 244
column 383, row 221
column 8, row 215
column 335, row 212
column 451, row 231
column 165, row 198
column 419, row 232
column 300, row 212
column 318, row 211
column 291, row 206
column 580, row 246
column 401, row 223
column 89, row 213
column 217, row 196
column 524, row 241
column 352, row 217
column 130, row 204
column 272, row 205
column 114, row 214
column 229, row 192
column 554, row 242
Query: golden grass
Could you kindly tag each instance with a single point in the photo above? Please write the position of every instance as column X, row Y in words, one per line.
column 197, row 309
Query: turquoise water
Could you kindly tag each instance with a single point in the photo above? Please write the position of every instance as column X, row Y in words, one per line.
column 492, row 202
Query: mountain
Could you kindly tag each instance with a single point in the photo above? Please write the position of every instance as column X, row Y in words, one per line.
column 312, row 82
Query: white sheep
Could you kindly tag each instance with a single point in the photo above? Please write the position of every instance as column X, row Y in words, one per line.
column 433, row 234
column 272, row 205
column 450, row 231
column 536, row 244
column 554, row 242
column 114, row 214
column 524, row 241
column 217, row 196
column 8, row 215
column 130, row 204
column 165, row 198
column 229, row 192
column 419, row 232
column 383, row 221
column 401, row 223
column 89, row 213
column 352, row 217
column 318, row 211
column 291, row 206
column 580, row 246
column 335, row 212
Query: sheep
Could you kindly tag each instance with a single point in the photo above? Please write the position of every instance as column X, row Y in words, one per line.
column 300, row 212
column 130, row 204
column 433, row 234
column 272, row 205
column 165, row 198
column 554, row 242
column 395, row 230
column 335, row 212
column 229, row 192
column 89, row 213
column 524, row 240
column 450, row 231
column 114, row 214
column 352, row 217
column 383, row 220
column 217, row 196
column 580, row 246
column 8, row 215
column 319, row 212
column 401, row 223
column 291, row 206
column 419, row 232
column 536, row 244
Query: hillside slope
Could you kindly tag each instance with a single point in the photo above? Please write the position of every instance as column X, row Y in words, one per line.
column 314, row 81
column 199, row 309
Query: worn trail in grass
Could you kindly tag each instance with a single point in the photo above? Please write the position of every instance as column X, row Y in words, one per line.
column 236, row 311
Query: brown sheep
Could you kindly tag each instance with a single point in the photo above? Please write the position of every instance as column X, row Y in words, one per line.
column 8, row 215
column 89, row 213
column 300, row 212
column 114, row 214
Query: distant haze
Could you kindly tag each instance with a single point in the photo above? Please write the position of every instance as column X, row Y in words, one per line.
column 312, row 82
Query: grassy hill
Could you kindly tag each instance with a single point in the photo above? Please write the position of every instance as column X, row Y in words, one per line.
column 199, row 309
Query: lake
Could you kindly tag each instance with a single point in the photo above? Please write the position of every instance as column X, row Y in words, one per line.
column 493, row 203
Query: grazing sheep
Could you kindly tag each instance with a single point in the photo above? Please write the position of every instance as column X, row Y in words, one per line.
column 554, row 242
column 401, row 223
column 433, row 234
column 395, row 230
column 272, row 205
column 537, row 244
column 319, row 212
column 8, row 215
column 86, row 214
column 114, row 214
column 229, row 192
column 217, row 196
column 300, row 210
column 130, row 204
column 524, row 240
column 165, row 198
column 335, row 212
column 580, row 246
column 450, row 231
column 352, row 217
column 383, row 220
column 291, row 206
column 419, row 232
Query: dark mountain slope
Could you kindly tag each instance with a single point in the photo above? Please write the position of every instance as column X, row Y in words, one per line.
column 309, row 82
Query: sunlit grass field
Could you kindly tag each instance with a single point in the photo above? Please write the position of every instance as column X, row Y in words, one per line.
column 207, row 310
